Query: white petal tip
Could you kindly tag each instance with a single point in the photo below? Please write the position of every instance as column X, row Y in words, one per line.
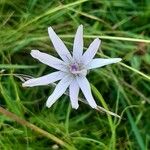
column 98, row 41
column 50, row 29
column 48, row 105
column 23, row 85
column 34, row 52
column 118, row 59
column 94, row 105
column 75, row 107
column 80, row 26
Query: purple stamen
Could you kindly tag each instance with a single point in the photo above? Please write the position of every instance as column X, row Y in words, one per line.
column 74, row 68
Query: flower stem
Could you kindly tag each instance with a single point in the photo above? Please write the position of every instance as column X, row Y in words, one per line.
column 34, row 128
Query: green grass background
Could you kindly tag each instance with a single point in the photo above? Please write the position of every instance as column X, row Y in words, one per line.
column 124, row 88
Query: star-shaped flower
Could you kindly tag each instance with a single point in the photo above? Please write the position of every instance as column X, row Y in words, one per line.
column 72, row 69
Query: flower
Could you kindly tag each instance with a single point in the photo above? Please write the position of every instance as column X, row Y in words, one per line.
column 72, row 69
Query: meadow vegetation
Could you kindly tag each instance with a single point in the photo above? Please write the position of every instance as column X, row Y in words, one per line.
column 123, row 88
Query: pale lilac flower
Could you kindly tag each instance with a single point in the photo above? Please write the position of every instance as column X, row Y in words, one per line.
column 72, row 69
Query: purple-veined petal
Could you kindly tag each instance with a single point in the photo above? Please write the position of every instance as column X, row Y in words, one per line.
column 59, row 46
column 99, row 62
column 49, row 60
column 59, row 90
column 78, row 44
column 44, row 80
column 86, row 89
column 91, row 51
column 74, row 92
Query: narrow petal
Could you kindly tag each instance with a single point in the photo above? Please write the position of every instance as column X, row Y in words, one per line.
column 49, row 60
column 59, row 90
column 78, row 44
column 74, row 92
column 44, row 80
column 91, row 51
column 86, row 89
column 59, row 45
column 99, row 62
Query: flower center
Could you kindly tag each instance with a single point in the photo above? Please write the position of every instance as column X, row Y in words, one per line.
column 77, row 69
column 74, row 68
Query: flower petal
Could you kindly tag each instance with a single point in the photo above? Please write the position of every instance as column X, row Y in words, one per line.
column 91, row 51
column 44, row 80
column 74, row 92
column 86, row 89
column 49, row 60
column 99, row 62
column 59, row 45
column 59, row 90
column 78, row 44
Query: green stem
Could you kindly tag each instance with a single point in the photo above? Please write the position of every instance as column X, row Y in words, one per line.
column 35, row 128
column 112, row 145
column 109, row 38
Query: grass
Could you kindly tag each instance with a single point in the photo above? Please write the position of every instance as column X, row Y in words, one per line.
column 123, row 88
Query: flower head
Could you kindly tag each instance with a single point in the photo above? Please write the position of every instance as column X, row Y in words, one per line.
column 71, row 69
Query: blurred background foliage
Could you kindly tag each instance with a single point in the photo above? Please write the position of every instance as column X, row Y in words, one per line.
column 125, row 87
